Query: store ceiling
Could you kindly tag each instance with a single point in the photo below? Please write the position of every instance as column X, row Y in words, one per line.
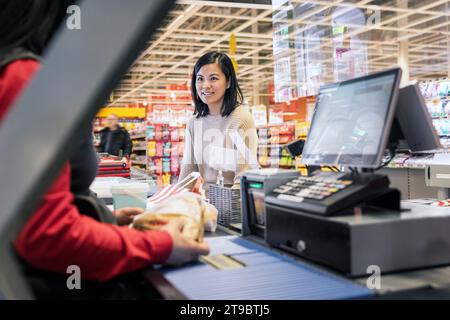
column 196, row 27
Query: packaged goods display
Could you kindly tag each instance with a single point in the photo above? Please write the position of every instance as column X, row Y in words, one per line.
column 437, row 97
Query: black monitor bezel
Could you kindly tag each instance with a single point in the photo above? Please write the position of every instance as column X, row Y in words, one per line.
column 423, row 117
column 390, row 114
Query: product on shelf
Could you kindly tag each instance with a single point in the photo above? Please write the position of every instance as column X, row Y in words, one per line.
column 174, row 165
column 150, row 132
column 174, row 150
column 158, row 132
column 151, row 148
column 179, row 116
column 275, row 151
column 166, row 165
column 167, row 148
column 437, row 98
column 159, row 148
column 151, row 165
column 264, row 160
column 181, row 149
column 166, row 179
column 138, row 131
column 181, row 133
column 165, row 132
column 159, row 166
column 301, row 129
column 270, row 141
column 174, row 136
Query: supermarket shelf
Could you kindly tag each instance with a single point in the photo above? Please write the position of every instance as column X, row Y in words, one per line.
column 170, row 124
column 271, row 145
column 279, row 134
column 153, row 172
column 270, row 125
column 138, row 162
column 143, row 136
column 178, row 156
column 277, row 166
column 429, row 99
column 278, row 156
column 441, row 117
column 165, row 140
column 140, row 149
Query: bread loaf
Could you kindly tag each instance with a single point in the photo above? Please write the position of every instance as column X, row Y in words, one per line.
column 187, row 206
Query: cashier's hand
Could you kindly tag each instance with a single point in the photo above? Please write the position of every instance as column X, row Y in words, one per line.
column 184, row 250
column 125, row 216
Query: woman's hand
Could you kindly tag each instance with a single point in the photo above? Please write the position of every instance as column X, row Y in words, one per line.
column 124, row 216
column 184, row 250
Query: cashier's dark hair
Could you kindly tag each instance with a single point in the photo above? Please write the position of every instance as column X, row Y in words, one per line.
column 233, row 95
column 30, row 24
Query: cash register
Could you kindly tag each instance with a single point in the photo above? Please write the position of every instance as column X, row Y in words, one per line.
column 351, row 219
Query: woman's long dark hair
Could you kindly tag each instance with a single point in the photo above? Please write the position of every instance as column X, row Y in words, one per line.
column 233, row 95
column 30, row 24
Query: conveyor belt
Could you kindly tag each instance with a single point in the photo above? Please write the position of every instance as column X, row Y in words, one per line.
column 267, row 275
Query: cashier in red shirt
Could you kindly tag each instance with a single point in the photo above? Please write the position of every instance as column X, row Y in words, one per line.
column 57, row 235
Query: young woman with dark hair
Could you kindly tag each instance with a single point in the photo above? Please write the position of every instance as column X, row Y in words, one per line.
column 59, row 233
column 221, row 137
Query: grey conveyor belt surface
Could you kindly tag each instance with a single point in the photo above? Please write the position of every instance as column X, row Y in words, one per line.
column 267, row 275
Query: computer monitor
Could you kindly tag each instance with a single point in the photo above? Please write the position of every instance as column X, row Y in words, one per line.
column 413, row 128
column 352, row 121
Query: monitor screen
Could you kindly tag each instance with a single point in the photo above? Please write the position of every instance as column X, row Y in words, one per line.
column 352, row 121
column 415, row 122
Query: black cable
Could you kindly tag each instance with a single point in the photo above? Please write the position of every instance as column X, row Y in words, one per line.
column 391, row 157
column 353, row 169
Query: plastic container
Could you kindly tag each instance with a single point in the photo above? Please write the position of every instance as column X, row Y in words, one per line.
column 130, row 195
column 102, row 185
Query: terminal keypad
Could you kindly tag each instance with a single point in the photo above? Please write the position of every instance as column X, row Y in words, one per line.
column 312, row 187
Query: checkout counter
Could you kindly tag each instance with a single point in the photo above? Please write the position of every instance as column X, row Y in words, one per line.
column 274, row 273
column 327, row 235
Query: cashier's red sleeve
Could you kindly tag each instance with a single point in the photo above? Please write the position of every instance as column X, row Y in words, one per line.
column 13, row 78
column 57, row 235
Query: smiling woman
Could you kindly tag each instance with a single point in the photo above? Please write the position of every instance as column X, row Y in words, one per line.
column 214, row 85
column 211, row 85
column 222, row 135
